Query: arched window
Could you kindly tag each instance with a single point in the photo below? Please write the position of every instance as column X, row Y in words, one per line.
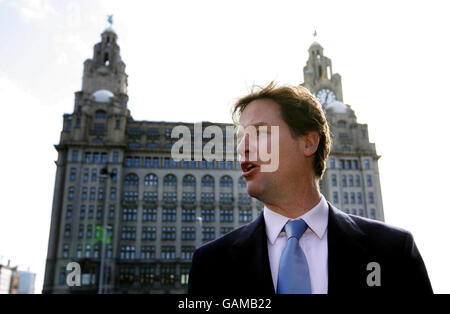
column 188, row 180
column 132, row 179
column 170, row 179
column 151, row 179
column 100, row 114
column 226, row 181
column 207, row 181
column 242, row 183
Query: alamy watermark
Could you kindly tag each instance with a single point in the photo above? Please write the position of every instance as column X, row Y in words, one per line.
column 261, row 142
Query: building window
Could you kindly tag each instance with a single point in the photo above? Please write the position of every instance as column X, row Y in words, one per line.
column 128, row 252
column 167, row 252
column 188, row 233
column 352, row 197
column 242, row 183
column 332, row 163
column 371, row 198
column 112, row 194
column 149, row 214
column 148, row 252
column 128, row 233
column 65, row 252
column 148, row 233
column 169, row 196
column 372, row 214
column 79, row 251
column 75, row 156
column 168, row 274
column 87, row 157
column 369, row 180
column 73, row 174
column 358, row 182
column 71, row 193
column 188, row 180
column 208, row 233
column 335, row 197
column 69, row 211
column 89, row 232
column 129, row 214
column 359, row 198
column 132, row 179
column 225, row 230
column 361, row 213
column 67, row 230
column 244, row 198
column 226, row 181
column 81, row 232
column 350, row 180
column 82, row 211
column 115, row 157
column 226, row 215
column 207, row 197
column 92, row 194
column 187, row 252
column 207, row 181
column 112, row 210
column 91, row 212
column 345, row 198
column 208, row 214
column 355, row 164
column 245, row 215
column 226, row 198
column 170, row 180
column 333, row 180
column 169, row 215
column 95, row 157
column 367, row 164
column 130, row 196
column 188, row 215
column 168, row 233
column 344, row 180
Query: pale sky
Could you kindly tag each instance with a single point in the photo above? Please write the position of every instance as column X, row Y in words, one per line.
column 189, row 60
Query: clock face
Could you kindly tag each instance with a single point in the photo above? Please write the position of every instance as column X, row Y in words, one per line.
column 326, row 97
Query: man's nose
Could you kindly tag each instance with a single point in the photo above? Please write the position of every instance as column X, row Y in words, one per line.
column 243, row 147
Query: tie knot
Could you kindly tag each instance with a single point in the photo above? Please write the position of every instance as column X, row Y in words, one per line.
column 295, row 228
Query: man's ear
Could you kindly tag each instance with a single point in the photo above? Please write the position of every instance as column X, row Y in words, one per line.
column 311, row 143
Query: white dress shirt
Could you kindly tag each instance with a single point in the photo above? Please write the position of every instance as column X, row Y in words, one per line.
column 313, row 242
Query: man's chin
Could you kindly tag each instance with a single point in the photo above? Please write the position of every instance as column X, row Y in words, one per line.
column 254, row 190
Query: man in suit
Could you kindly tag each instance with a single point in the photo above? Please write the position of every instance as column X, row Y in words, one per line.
column 300, row 243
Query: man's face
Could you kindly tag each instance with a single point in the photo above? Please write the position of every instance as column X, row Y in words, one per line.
column 293, row 167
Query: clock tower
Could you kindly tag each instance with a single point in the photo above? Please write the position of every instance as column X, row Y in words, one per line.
column 319, row 77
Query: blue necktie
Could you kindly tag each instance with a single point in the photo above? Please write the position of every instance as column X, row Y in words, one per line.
column 293, row 274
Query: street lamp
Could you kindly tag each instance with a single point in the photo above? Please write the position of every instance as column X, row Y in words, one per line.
column 104, row 172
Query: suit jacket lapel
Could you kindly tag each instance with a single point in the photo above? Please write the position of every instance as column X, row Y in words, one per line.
column 252, row 258
column 347, row 253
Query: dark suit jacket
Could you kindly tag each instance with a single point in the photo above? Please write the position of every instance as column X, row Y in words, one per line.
column 238, row 262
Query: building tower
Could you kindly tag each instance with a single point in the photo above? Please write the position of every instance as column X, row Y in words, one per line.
column 351, row 180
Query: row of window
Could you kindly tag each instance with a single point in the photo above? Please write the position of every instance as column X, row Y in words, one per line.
column 146, row 275
column 166, row 162
column 349, row 181
column 362, row 212
column 355, row 198
column 95, row 157
column 188, row 180
column 347, row 164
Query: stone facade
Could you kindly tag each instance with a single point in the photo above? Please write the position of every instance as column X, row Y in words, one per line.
column 116, row 175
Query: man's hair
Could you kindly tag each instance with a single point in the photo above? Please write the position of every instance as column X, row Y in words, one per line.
column 300, row 110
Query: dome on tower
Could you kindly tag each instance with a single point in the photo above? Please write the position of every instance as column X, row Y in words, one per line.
column 102, row 95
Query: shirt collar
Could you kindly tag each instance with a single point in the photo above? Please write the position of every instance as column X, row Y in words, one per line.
column 316, row 218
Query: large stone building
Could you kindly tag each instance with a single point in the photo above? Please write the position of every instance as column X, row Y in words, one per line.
column 117, row 184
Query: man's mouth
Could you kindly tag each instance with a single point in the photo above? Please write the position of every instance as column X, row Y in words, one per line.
column 248, row 168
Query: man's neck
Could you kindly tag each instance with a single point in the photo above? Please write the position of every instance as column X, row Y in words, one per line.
column 297, row 205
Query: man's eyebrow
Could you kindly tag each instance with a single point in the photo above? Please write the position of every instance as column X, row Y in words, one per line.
column 261, row 123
